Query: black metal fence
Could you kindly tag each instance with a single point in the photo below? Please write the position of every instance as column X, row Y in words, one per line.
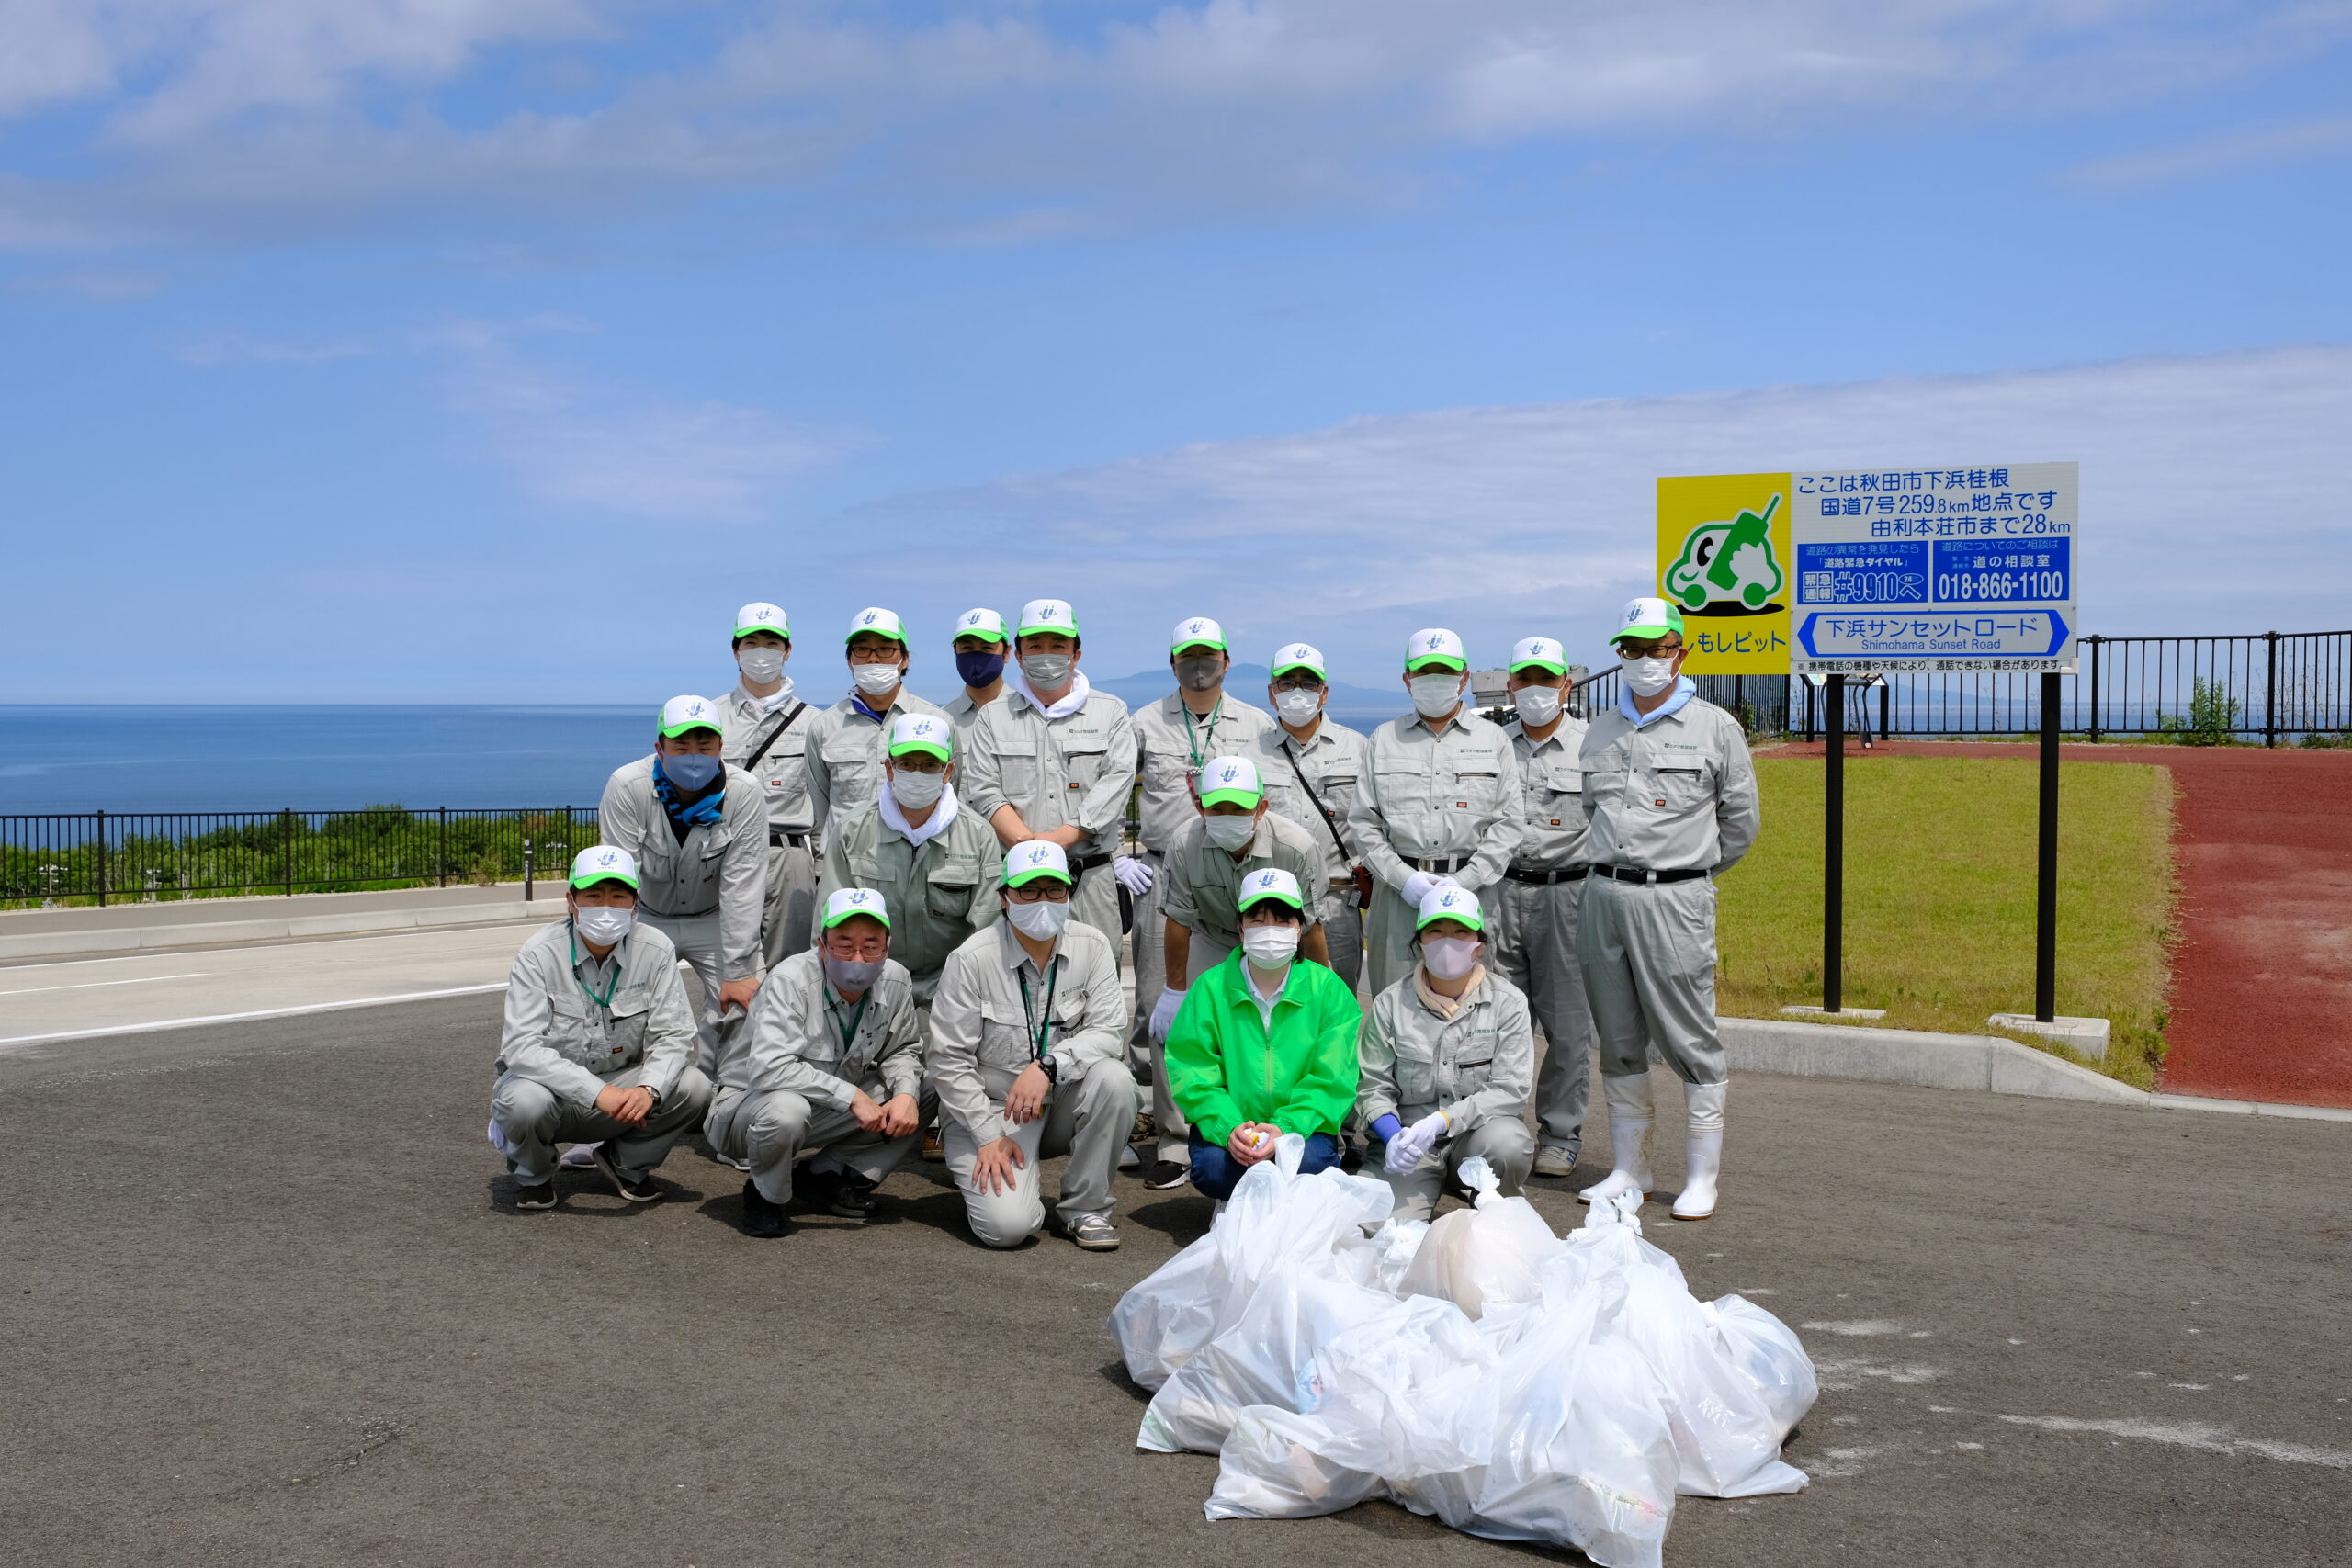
column 114, row 856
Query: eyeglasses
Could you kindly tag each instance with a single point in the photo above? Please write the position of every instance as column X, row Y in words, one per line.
column 1297, row 684
column 1041, row 891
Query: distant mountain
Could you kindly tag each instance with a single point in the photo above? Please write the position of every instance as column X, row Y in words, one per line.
column 1349, row 704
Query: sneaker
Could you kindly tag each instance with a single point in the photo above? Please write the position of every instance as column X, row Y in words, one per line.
column 1166, row 1175
column 1550, row 1161
column 539, row 1197
column 636, row 1189
column 761, row 1218
column 720, row 1157
column 579, row 1156
column 1092, row 1232
column 1128, row 1158
column 934, row 1148
column 853, row 1197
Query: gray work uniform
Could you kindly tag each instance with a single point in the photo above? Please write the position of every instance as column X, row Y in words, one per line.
column 787, row 1081
column 1199, row 885
column 1531, row 924
column 782, row 772
column 1072, row 771
column 962, row 713
column 1676, row 794
column 1332, row 760
column 985, row 1018
column 938, row 894
column 576, row 1026
column 1428, row 802
column 708, row 893
column 846, row 748
column 1478, row 1067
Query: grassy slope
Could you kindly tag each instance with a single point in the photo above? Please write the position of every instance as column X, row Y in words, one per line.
column 1939, row 895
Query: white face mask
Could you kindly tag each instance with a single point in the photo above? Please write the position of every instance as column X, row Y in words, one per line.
column 1537, row 705
column 1270, row 947
column 1297, row 708
column 1434, row 696
column 1231, row 832
column 602, row 923
column 1046, row 670
column 1041, row 922
column 760, row 665
column 1450, row 958
column 874, row 680
column 1648, row 677
column 916, row 789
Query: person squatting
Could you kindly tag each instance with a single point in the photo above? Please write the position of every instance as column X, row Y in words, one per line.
column 907, row 925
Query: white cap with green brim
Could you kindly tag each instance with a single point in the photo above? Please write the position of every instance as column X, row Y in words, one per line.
column 880, row 621
column 760, row 617
column 604, row 863
column 1451, row 904
column 1298, row 656
column 1231, row 780
column 1648, row 618
column 1269, row 882
column 680, row 715
column 986, row 625
column 1541, row 653
column 844, row 902
column 1435, row 645
column 1047, row 616
column 922, row 732
column 1038, row 857
column 1198, row 632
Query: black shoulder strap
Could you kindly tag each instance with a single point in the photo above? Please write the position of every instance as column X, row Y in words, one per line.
column 1329, row 822
column 748, row 763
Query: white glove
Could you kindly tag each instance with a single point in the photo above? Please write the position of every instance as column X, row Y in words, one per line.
column 1422, row 884
column 1163, row 1014
column 1134, row 874
column 1408, row 1148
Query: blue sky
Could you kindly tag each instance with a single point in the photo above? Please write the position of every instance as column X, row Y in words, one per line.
column 496, row 349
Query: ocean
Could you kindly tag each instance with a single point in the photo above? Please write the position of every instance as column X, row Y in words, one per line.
column 266, row 758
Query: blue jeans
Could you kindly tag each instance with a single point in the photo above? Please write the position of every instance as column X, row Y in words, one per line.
column 1217, row 1173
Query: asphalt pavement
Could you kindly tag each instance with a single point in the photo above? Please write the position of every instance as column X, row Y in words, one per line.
column 268, row 1302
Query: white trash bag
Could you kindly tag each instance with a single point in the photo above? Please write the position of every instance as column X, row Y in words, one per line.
column 1266, row 1358
column 1489, row 1253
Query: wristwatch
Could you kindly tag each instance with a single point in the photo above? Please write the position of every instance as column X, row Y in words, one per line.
column 1045, row 1065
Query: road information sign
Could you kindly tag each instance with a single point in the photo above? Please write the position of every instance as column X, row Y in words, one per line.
column 1934, row 569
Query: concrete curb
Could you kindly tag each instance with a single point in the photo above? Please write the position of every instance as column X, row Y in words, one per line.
column 1978, row 1062
column 209, row 933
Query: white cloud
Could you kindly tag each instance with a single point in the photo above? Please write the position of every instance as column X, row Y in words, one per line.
column 2246, row 149
column 2213, row 491
column 243, row 348
column 573, row 443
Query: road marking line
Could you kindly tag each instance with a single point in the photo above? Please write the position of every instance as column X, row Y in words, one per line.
column 241, row 1017
column 92, row 984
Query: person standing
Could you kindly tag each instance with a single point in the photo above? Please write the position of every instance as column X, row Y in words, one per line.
column 832, row 1062
column 1438, row 802
column 1053, row 760
column 1025, row 1052
column 1535, row 907
column 765, row 731
column 1449, row 1058
column 698, row 832
column 981, row 649
column 598, row 1042
column 846, row 741
column 1671, row 795
column 1310, row 763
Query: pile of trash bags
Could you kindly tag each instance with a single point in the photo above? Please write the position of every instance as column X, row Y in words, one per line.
column 1478, row 1369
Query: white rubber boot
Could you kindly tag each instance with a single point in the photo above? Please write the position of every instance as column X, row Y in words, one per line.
column 1704, row 1152
column 1630, row 1113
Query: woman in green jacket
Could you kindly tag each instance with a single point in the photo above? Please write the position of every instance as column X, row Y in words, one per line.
column 1263, row 1045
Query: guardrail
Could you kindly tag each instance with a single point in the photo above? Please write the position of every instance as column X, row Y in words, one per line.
column 107, row 855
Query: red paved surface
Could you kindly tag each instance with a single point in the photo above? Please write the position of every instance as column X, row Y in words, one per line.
column 2262, row 975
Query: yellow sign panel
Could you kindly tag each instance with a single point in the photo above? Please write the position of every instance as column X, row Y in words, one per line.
column 1723, row 556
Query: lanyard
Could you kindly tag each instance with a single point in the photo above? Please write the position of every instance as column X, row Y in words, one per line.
column 1038, row 1031
column 847, row 1026
column 1209, row 728
column 605, row 1001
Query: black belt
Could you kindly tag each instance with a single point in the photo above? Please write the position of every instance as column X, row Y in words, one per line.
column 1627, row 874
column 778, row 838
column 1437, row 866
column 1547, row 878
column 1088, row 862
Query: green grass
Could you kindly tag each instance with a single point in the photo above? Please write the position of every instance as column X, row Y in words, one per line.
column 1939, row 897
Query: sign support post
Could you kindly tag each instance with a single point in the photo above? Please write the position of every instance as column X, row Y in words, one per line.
column 2045, row 912
column 1833, row 844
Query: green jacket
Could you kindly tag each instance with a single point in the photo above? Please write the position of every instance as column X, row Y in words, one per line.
column 1223, row 1069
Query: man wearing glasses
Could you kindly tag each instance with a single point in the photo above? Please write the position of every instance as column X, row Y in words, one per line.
column 1028, row 1031
column 845, row 742
column 1671, row 797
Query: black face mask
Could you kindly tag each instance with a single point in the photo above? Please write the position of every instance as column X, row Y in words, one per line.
column 1199, row 675
column 980, row 666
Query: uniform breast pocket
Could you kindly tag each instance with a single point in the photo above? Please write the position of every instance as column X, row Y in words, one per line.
column 949, row 899
column 1166, row 775
column 1679, row 789
column 571, row 1035
column 1474, row 1061
column 625, row 1036
column 1403, row 792
column 1004, row 1041
column 1017, row 769
column 1416, row 1074
column 1086, row 757
column 1475, row 789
